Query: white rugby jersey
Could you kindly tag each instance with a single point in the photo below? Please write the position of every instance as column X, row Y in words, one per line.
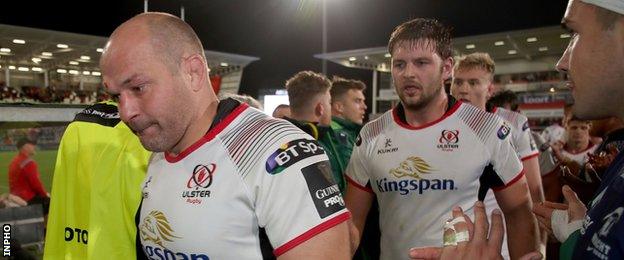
column 525, row 147
column 520, row 133
column 580, row 157
column 250, row 171
column 419, row 173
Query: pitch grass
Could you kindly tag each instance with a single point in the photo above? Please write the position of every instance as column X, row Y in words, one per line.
column 45, row 161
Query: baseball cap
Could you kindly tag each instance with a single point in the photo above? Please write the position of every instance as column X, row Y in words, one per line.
column 612, row 5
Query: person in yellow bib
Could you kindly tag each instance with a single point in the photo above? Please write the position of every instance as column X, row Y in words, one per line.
column 96, row 188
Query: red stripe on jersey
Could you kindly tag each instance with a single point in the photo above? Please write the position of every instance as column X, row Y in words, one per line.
column 514, row 180
column 311, row 233
column 357, row 185
column 240, row 145
column 209, row 135
column 529, row 156
column 406, row 125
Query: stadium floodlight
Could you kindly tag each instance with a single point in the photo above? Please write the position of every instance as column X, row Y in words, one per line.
column 7, row 50
column 47, row 54
column 62, row 71
column 11, row 67
column 531, row 39
column 86, row 72
column 352, row 58
column 387, row 55
column 224, row 64
column 19, row 41
column 23, row 69
column 36, row 69
column 96, row 73
column 470, row 46
column 512, row 52
column 73, row 63
column 543, row 48
column 100, row 50
column 85, row 57
column 62, row 46
column 36, row 60
column 499, row 43
column 73, row 72
column 564, row 35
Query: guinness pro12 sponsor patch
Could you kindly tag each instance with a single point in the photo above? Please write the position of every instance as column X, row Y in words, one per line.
column 323, row 188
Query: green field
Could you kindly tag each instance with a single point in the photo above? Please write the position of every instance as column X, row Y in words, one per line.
column 45, row 160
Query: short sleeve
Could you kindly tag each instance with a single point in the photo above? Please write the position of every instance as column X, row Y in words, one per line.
column 505, row 162
column 523, row 141
column 358, row 171
column 296, row 196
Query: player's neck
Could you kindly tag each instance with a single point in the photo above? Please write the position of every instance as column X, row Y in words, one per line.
column 577, row 147
column 305, row 117
column 197, row 129
column 431, row 112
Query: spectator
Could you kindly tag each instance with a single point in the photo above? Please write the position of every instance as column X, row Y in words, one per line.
column 281, row 111
column 24, row 176
column 310, row 107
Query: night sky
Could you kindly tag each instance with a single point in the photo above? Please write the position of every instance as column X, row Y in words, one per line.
column 285, row 34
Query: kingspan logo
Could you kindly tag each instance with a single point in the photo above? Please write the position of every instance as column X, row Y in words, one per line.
column 156, row 229
column 413, row 168
column 291, row 153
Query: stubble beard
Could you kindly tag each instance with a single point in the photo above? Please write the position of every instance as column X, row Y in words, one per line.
column 425, row 98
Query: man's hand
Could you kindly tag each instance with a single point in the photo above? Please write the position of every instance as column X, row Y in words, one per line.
column 575, row 208
column 479, row 246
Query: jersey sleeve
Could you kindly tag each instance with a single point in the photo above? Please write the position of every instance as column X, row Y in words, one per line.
column 357, row 172
column 296, row 196
column 523, row 141
column 506, row 165
column 32, row 175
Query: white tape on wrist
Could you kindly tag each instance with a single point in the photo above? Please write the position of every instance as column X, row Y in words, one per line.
column 560, row 226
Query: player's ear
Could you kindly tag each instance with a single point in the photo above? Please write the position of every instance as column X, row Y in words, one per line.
column 194, row 68
column 447, row 68
column 319, row 110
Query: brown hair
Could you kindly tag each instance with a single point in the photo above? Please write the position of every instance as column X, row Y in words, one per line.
column 421, row 30
column 340, row 86
column 303, row 86
column 477, row 60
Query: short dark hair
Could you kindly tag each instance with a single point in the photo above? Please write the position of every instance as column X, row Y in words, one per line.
column 303, row 86
column 422, row 29
column 340, row 86
column 505, row 97
column 23, row 141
